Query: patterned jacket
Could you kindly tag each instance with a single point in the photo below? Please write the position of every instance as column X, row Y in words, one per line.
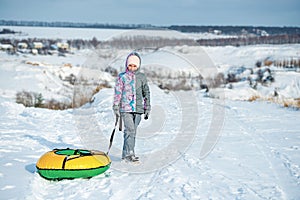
column 132, row 93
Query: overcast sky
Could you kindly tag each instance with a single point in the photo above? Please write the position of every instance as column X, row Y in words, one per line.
column 156, row 12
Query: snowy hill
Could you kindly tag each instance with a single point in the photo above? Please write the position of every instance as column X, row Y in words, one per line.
column 48, row 75
column 192, row 147
column 255, row 154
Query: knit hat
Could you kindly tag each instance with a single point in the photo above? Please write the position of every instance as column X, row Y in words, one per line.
column 133, row 59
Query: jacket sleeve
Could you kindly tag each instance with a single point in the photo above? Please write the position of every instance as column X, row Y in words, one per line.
column 118, row 91
column 146, row 94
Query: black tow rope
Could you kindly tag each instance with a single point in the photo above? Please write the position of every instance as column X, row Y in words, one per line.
column 113, row 133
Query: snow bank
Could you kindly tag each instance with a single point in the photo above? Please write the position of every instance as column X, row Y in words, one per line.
column 48, row 75
column 255, row 157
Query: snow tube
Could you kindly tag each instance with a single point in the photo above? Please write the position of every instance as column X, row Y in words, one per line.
column 72, row 163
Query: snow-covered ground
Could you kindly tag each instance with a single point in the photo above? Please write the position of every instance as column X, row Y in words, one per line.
column 24, row 32
column 192, row 147
column 255, row 154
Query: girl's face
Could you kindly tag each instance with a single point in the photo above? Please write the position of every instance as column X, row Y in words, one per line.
column 132, row 67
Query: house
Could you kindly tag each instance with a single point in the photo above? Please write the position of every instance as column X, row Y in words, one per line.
column 22, row 45
column 62, row 46
column 34, row 51
column 37, row 45
column 6, row 47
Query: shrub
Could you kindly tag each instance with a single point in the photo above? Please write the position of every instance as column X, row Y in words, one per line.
column 56, row 105
column 254, row 98
column 101, row 86
column 38, row 100
column 216, row 81
column 25, row 98
column 29, row 99
column 32, row 99
column 298, row 103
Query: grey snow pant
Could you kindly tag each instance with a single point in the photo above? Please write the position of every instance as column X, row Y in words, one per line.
column 131, row 122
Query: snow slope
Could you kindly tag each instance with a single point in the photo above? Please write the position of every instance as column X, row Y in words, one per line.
column 255, row 154
column 225, row 57
column 46, row 74
column 25, row 32
column 192, row 147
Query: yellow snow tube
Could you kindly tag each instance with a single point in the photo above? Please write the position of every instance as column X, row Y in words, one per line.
column 72, row 163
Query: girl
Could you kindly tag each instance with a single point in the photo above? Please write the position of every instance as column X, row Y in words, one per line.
column 131, row 100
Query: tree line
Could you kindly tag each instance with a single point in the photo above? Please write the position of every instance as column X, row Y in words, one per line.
column 238, row 30
column 243, row 41
column 229, row 30
column 136, row 42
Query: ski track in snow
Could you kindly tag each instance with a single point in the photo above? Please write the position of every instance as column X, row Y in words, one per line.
column 276, row 162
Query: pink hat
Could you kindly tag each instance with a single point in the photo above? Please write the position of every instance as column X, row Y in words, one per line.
column 133, row 59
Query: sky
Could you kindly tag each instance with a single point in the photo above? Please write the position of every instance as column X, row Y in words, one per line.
column 156, row 12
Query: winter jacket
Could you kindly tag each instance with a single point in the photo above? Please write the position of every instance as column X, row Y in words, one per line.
column 132, row 92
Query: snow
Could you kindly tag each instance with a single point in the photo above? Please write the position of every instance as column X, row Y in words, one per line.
column 24, row 32
column 249, row 55
column 192, row 147
column 45, row 74
column 255, row 157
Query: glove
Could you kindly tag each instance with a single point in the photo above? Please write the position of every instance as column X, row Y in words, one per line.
column 116, row 110
column 146, row 114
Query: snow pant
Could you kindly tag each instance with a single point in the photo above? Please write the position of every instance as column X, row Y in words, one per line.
column 131, row 122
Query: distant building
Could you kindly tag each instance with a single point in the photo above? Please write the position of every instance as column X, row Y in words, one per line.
column 217, row 32
column 34, row 51
column 22, row 45
column 6, row 47
column 62, row 45
column 37, row 45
